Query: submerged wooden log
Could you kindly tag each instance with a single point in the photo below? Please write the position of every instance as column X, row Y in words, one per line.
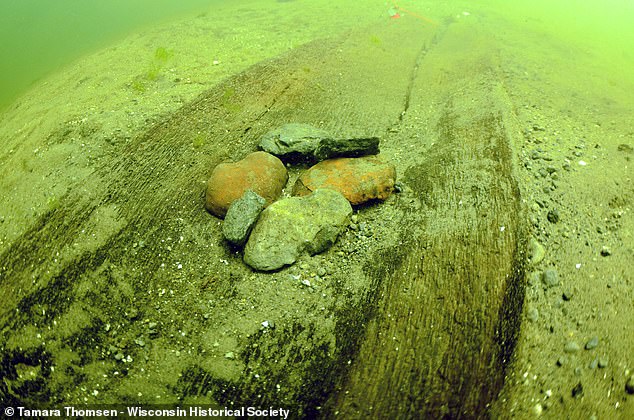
column 130, row 288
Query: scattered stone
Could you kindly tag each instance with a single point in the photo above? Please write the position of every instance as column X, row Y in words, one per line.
column 550, row 277
column 577, row 391
column 241, row 216
column 572, row 347
column 629, row 385
column 355, row 147
column 536, row 251
column 593, row 364
column 259, row 171
column 532, row 314
column 561, row 360
column 592, row 343
column 603, row 362
column 567, row 295
column 605, row 251
column 553, row 216
column 358, row 179
column 294, row 225
column 293, row 141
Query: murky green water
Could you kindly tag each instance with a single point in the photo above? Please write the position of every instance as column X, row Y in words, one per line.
column 39, row 36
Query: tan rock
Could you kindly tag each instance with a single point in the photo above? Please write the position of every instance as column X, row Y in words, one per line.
column 358, row 179
column 259, row 171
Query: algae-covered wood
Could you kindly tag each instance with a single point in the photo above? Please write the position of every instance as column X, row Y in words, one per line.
column 125, row 286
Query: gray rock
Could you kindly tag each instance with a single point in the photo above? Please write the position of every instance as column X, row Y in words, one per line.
column 331, row 148
column 241, row 216
column 592, row 343
column 572, row 347
column 567, row 295
column 536, row 251
column 550, row 278
column 532, row 314
column 293, row 141
column 553, row 216
column 292, row 226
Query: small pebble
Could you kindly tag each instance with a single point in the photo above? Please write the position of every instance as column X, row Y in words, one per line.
column 536, row 251
column 593, row 364
column 605, row 251
column 577, row 391
column 561, row 361
column 572, row 347
column 567, row 295
column 550, row 277
column 553, row 216
column 592, row 343
column 603, row 362
column 629, row 385
column 532, row 314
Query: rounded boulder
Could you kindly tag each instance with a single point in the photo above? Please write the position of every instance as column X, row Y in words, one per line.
column 358, row 179
column 260, row 172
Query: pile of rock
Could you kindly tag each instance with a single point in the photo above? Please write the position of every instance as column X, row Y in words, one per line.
column 274, row 231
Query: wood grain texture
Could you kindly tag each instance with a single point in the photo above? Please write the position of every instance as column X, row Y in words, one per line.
column 432, row 328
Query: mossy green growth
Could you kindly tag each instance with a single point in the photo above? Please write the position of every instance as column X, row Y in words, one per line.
column 154, row 72
column 227, row 103
column 375, row 40
column 162, row 54
column 53, row 203
column 228, row 93
column 199, row 141
column 138, row 86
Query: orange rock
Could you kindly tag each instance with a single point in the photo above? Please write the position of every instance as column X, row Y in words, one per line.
column 358, row 179
column 259, row 171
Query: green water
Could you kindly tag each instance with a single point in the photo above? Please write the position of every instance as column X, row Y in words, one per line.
column 39, row 36
column 603, row 28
